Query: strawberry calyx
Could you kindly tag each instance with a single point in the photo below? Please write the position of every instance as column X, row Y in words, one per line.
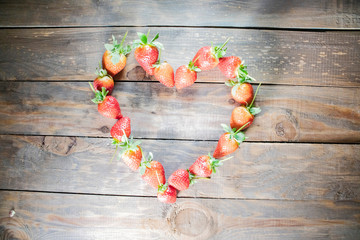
column 158, row 62
column 146, row 163
column 116, row 50
column 127, row 144
column 250, row 108
column 100, row 72
column 219, row 51
column 192, row 67
column 235, row 134
column 144, row 40
column 99, row 95
column 163, row 187
column 214, row 163
column 242, row 74
column 192, row 177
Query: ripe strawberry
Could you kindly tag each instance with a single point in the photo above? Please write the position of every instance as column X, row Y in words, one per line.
column 204, row 166
column 244, row 114
column 166, row 194
column 152, row 172
column 229, row 66
column 208, row 57
column 186, row 75
column 121, row 127
column 103, row 80
column 181, row 179
column 228, row 142
column 131, row 152
column 164, row 73
column 114, row 58
column 146, row 53
column 108, row 106
column 241, row 92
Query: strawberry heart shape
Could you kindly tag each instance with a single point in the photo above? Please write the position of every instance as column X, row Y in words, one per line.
column 147, row 53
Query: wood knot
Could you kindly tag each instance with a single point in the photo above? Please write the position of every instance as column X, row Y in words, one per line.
column 189, row 220
column 231, row 101
column 104, row 129
column 137, row 73
column 13, row 228
column 287, row 127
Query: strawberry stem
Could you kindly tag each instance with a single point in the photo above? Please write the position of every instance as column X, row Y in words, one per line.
column 157, row 176
column 207, row 178
column 222, row 46
column 92, row 87
column 257, row 89
column 116, row 148
column 196, row 59
column 147, row 35
column 123, row 40
column 242, row 127
column 223, row 160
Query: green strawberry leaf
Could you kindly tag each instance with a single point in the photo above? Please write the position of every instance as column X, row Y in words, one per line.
column 162, row 188
column 156, row 37
column 100, row 96
column 158, row 45
column 142, row 37
column 239, row 137
column 255, row 110
column 109, row 47
column 115, row 58
column 226, row 128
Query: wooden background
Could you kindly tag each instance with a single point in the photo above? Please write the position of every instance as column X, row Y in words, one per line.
column 296, row 177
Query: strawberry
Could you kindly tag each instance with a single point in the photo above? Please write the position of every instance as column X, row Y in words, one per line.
column 241, row 92
column 152, row 172
column 181, row 179
column 108, row 106
column 146, row 53
column 208, row 57
column 228, row 142
column 164, row 73
column 186, row 75
column 204, row 166
column 114, row 58
column 120, row 128
column 244, row 114
column 103, row 80
column 131, row 152
column 166, row 193
column 229, row 66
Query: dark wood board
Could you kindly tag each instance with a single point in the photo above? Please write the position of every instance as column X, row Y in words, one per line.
column 257, row 171
column 289, row 113
column 67, row 216
column 276, row 57
column 313, row 14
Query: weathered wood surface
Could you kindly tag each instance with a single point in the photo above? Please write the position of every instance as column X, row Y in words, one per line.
column 289, row 113
column 276, row 57
column 67, row 216
column 333, row 14
column 257, row 171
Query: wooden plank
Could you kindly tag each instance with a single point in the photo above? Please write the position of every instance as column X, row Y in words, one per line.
column 275, row 14
column 57, row 216
column 258, row 170
column 290, row 114
column 276, row 57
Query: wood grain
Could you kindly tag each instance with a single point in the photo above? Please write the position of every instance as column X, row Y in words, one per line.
column 289, row 114
column 258, row 170
column 275, row 14
column 276, row 57
column 58, row 216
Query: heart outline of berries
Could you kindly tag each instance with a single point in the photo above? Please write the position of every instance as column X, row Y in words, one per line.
column 147, row 53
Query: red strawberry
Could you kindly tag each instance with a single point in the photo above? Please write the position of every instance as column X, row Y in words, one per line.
column 166, row 194
column 114, row 58
column 121, row 127
column 229, row 66
column 241, row 92
column 228, row 142
column 152, row 172
column 108, row 106
column 131, row 152
column 186, row 75
column 146, row 53
column 244, row 114
column 208, row 57
column 181, row 179
column 103, row 80
column 164, row 73
column 204, row 166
